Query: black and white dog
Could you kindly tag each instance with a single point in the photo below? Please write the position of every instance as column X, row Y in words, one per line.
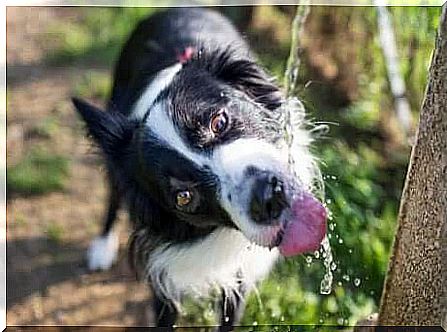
column 194, row 144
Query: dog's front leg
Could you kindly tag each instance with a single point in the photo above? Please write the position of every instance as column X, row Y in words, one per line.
column 165, row 312
column 231, row 308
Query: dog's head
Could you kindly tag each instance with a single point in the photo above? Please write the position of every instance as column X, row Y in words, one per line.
column 205, row 143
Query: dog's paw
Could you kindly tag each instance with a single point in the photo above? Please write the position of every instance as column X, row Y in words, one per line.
column 102, row 252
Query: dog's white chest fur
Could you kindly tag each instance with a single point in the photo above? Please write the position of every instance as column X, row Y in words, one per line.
column 219, row 259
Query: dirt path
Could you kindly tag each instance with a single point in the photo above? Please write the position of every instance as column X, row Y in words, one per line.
column 47, row 279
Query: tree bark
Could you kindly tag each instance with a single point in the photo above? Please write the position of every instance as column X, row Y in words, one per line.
column 415, row 290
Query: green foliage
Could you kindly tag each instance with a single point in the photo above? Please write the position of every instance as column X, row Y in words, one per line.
column 197, row 312
column 415, row 28
column 37, row 173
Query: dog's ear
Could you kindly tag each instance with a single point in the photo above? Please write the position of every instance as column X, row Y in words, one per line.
column 110, row 129
column 244, row 75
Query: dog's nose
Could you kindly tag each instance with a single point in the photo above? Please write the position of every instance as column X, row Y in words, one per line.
column 268, row 199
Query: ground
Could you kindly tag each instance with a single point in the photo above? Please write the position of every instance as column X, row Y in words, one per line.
column 48, row 234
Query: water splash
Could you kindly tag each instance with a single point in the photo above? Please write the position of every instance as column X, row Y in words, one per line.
column 292, row 120
column 328, row 278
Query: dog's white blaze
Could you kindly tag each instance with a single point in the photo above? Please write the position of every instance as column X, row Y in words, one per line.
column 214, row 261
column 161, row 125
column 161, row 81
column 102, row 252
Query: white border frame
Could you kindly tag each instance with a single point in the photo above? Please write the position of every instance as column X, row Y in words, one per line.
column 124, row 3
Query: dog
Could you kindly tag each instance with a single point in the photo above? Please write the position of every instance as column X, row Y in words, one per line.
column 194, row 144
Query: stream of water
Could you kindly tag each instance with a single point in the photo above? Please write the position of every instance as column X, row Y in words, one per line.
column 293, row 119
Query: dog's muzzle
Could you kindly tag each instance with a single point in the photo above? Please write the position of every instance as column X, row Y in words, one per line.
column 298, row 218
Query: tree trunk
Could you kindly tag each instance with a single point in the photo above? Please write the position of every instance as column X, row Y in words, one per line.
column 415, row 290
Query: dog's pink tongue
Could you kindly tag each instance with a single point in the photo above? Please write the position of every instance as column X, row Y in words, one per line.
column 307, row 227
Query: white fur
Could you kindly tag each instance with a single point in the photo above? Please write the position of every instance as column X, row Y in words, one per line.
column 161, row 81
column 161, row 125
column 212, row 261
column 102, row 252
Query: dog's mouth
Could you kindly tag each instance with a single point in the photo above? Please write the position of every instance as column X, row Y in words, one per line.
column 302, row 227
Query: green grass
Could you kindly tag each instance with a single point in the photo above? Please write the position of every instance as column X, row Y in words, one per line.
column 97, row 37
column 94, row 84
column 45, row 128
column 54, row 232
column 38, row 173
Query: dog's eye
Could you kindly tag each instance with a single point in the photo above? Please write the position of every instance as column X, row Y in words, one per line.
column 219, row 122
column 183, row 198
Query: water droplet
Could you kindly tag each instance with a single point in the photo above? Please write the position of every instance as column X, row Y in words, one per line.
column 333, row 266
column 326, row 284
column 255, row 323
column 227, row 318
column 357, row 282
column 350, row 251
column 321, row 321
column 340, row 321
column 282, row 318
column 317, row 254
column 339, row 283
column 308, row 259
column 331, row 226
column 340, row 241
column 328, row 201
column 333, row 177
column 346, row 277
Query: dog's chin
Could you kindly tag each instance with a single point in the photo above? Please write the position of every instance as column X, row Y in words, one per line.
column 300, row 229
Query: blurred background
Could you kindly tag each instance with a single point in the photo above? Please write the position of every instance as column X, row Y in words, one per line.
column 55, row 180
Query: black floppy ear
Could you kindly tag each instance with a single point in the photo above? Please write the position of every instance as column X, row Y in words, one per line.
column 243, row 74
column 110, row 130
column 248, row 77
